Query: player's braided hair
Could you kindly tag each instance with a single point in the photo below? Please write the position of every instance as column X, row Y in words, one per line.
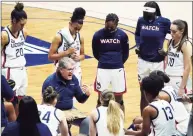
column 112, row 17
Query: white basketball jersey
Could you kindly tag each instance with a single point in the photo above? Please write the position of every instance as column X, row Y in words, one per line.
column 13, row 54
column 68, row 41
column 164, row 123
column 180, row 112
column 175, row 66
column 101, row 124
column 51, row 117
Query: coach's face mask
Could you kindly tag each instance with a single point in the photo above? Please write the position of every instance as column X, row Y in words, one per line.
column 149, row 13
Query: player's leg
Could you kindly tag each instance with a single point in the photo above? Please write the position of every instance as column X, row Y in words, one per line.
column 102, row 82
column 21, row 78
column 143, row 68
column 118, row 81
column 78, row 73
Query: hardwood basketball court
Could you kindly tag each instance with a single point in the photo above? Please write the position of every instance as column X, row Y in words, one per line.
column 44, row 24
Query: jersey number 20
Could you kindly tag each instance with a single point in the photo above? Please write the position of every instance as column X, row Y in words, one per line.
column 19, row 52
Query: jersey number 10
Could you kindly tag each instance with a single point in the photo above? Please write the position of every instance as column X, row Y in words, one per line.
column 171, row 62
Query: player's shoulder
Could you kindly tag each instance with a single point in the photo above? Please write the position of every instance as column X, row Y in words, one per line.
column 168, row 88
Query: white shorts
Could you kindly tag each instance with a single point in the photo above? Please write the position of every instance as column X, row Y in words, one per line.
column 175, row 82
column 78, row 73
column 115, row 77
column 19, row 75
column 145, row 68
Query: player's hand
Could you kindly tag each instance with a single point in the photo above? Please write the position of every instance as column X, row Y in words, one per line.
column 181, row 92
column 186, row 98
column 85, row 89
column 71, row 50
column 162, row 52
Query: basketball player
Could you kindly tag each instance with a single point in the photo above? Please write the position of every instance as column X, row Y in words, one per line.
column 110, row 47
column 169, row 94
column 49, row 115
column 13, row 60
column 159, row 113
column 179, row 59
column 108, row 119
column 68, row 42
column 150, row 34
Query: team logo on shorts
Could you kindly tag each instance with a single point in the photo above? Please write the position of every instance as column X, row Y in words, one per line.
column 98, row 85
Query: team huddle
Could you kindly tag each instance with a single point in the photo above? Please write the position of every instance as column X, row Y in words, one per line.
column 163, row 75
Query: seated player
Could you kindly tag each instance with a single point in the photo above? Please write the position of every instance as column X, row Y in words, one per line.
column 51, row 116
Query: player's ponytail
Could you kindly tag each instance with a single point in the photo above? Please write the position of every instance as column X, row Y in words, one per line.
column 18, row 13
column 113, row 112
column 49, row 95
column 181, row 26
column 165, row 77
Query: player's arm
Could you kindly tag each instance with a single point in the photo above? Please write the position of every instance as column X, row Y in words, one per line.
column 82, row 56
column 4, row 39
column 53, row 54
column 125, row 47
column 146, row 124
column 95, row 46
column 187, row 53
column 92, row 124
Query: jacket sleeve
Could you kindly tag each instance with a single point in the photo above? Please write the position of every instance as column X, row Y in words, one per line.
column 125, row 48
column 6, row 90
column 95, row 46
column 137, row 33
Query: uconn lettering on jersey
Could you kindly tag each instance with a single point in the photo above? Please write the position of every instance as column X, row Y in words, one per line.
column 117, row 41
column 153, row 28
column 173, row 54
column 13, row 44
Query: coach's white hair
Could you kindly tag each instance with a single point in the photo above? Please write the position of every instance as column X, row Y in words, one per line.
column 64, row 62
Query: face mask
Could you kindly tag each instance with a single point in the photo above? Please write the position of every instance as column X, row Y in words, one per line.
column 148, row 16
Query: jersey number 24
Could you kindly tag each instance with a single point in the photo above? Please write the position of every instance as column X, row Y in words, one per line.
column 45, row 117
